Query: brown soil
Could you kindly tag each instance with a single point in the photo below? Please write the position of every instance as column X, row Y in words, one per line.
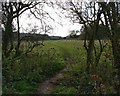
column 47, row 86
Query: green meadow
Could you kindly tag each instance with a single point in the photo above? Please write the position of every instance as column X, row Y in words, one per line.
column 23, row 75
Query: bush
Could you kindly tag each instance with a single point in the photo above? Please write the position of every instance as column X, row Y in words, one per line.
column 23, row 74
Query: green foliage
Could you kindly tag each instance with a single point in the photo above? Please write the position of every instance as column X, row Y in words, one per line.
column 24, row 74
column 101, row 82
column 23, row 87
column 100, row 34
column 62, row 90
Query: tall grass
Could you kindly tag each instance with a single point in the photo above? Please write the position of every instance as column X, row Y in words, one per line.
column 23, row 75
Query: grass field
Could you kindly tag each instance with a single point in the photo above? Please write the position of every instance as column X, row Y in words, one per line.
column 24, row 75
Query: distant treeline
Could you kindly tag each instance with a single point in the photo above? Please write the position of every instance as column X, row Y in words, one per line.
column 88, row 37
column 99, row 35
column 37, row 36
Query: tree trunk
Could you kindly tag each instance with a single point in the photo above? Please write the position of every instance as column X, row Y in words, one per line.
column 18, row 37
column 90, row 55
column 7, row 36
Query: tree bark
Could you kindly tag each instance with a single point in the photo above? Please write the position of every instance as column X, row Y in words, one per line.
column 18, row 36
column 7, row 36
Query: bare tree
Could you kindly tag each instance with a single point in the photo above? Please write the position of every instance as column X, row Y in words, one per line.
column 13, row 10
column 92, row 14
column 111, row 12
column 87, row 14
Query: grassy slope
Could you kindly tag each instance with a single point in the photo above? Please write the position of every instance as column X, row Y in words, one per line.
column 76, row 81
column 23, row 75
column 26, row 73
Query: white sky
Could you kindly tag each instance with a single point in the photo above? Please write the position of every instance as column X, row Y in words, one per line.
column 58, row 30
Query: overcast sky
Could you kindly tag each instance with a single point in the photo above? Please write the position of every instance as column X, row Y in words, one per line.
column 61, row 25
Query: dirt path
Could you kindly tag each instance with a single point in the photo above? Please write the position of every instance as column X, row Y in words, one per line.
column 47, row 86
